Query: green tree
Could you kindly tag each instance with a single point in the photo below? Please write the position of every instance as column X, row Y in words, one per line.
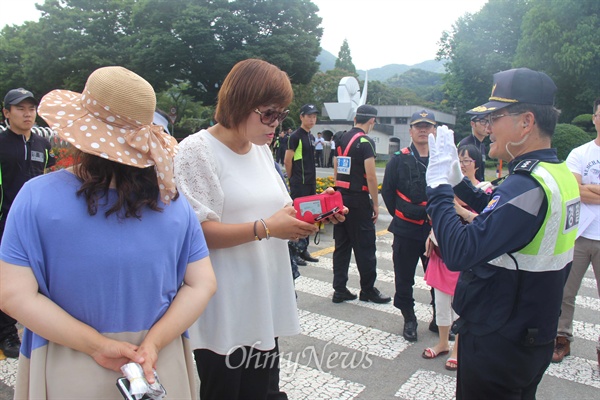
column 560, row 37
column 566, row 138
column 344, row 59
column 478, row 46
column 165, row 41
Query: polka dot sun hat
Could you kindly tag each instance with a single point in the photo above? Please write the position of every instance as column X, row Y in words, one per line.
column 112, row 119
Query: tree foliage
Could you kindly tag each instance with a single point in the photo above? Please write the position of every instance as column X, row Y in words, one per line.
column 478, row 46
column 344, row 59
column 560, row 37
column 165, row 41
column 566, row 138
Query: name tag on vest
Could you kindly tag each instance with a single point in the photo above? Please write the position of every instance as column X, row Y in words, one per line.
column 37, row 156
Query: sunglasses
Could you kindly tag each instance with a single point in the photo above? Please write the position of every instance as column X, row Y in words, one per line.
column 269, row 116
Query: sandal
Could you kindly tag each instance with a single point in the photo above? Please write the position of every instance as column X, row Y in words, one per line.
column 452, row 364
column 429, row 353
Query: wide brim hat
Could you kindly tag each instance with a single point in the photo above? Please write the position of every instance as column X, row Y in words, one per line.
column 518, row 85
column 112, row 119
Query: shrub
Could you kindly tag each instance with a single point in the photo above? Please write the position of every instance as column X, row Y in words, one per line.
column 584, row 121
column 566, row 138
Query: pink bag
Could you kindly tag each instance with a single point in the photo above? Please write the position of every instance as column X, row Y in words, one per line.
column 439, row 276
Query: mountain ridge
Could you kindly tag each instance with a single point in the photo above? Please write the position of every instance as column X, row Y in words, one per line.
column 327, row 62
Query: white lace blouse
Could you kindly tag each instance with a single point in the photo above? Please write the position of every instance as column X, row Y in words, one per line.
column 255, row 300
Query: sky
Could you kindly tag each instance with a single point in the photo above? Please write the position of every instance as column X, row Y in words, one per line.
column 379, row 32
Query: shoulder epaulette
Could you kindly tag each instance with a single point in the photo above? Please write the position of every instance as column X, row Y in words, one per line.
column 405, row 150
column 525, row 166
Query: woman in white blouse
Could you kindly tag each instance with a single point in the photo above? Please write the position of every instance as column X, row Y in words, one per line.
column 227, row 174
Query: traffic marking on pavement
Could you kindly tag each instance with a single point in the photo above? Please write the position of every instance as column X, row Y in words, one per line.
column 576, row 369
column 363, row 339
column 304, row 383
column 428, row 385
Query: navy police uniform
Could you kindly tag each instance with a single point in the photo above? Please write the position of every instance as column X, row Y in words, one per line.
column 404, row 194
column 508, row 306
column 357, row 232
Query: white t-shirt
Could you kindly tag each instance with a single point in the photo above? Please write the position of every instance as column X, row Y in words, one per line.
column 255, row 299
column 585, row 161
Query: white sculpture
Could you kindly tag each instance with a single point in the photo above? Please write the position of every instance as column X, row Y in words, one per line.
column 349, row 99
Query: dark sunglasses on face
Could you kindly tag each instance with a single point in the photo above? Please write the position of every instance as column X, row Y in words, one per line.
column 269, row 116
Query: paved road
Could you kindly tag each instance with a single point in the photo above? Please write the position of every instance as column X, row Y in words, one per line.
column 355, row 350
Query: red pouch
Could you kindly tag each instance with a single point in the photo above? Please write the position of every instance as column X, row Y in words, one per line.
column 317, row 207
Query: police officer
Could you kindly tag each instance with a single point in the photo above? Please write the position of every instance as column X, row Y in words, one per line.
column 403, row 192
column 516, row 254
column 23, row 155
column 355, row 178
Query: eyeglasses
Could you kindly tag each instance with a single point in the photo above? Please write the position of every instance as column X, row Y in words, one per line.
column 466, row 161
column 269, row 116
column 482, row 121
column 595, row 116
column 491, row 118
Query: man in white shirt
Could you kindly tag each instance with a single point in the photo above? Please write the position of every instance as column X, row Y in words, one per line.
column 584, row 163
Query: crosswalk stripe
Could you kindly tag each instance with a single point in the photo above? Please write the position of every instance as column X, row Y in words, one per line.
column 589, row 283
column 301, row 382
column 364, row 339
column 428, row 385
column 576, row 369
column 319, row 288
column 8, row 371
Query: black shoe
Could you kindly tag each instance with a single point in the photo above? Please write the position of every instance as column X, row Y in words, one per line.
column 300, row 262
column 410, row 330
column 10, row 346
column 374, row 295
column 433, row 326
column 306, row 255
column 339, row 296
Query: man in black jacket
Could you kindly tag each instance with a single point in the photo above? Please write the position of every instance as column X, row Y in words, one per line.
column 23, row 155
column 403, row 192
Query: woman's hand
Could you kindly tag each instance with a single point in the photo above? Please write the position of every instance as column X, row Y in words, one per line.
column 112, row 354
column 149, row 353
column 284, row 225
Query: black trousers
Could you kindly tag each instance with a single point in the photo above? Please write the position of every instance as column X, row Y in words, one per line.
column 356, row 233
column 245, row 374
column 319, row 158
column 406, row 254
column 492, row 367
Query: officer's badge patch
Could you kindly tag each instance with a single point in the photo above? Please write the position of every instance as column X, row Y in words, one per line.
column 492, row 204
column 572, row 218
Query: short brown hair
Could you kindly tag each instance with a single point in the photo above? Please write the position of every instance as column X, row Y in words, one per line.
column 249, row 84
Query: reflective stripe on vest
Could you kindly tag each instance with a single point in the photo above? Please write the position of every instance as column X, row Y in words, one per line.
column 405, row 198
column 552, row 247
column 346, row 184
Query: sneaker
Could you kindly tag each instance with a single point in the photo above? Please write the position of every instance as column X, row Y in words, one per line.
column 562, row 348
column 343, row 295
column 374, row 295
column 10, row 346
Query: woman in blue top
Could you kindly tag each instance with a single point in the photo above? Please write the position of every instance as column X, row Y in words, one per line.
column 104, row 263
